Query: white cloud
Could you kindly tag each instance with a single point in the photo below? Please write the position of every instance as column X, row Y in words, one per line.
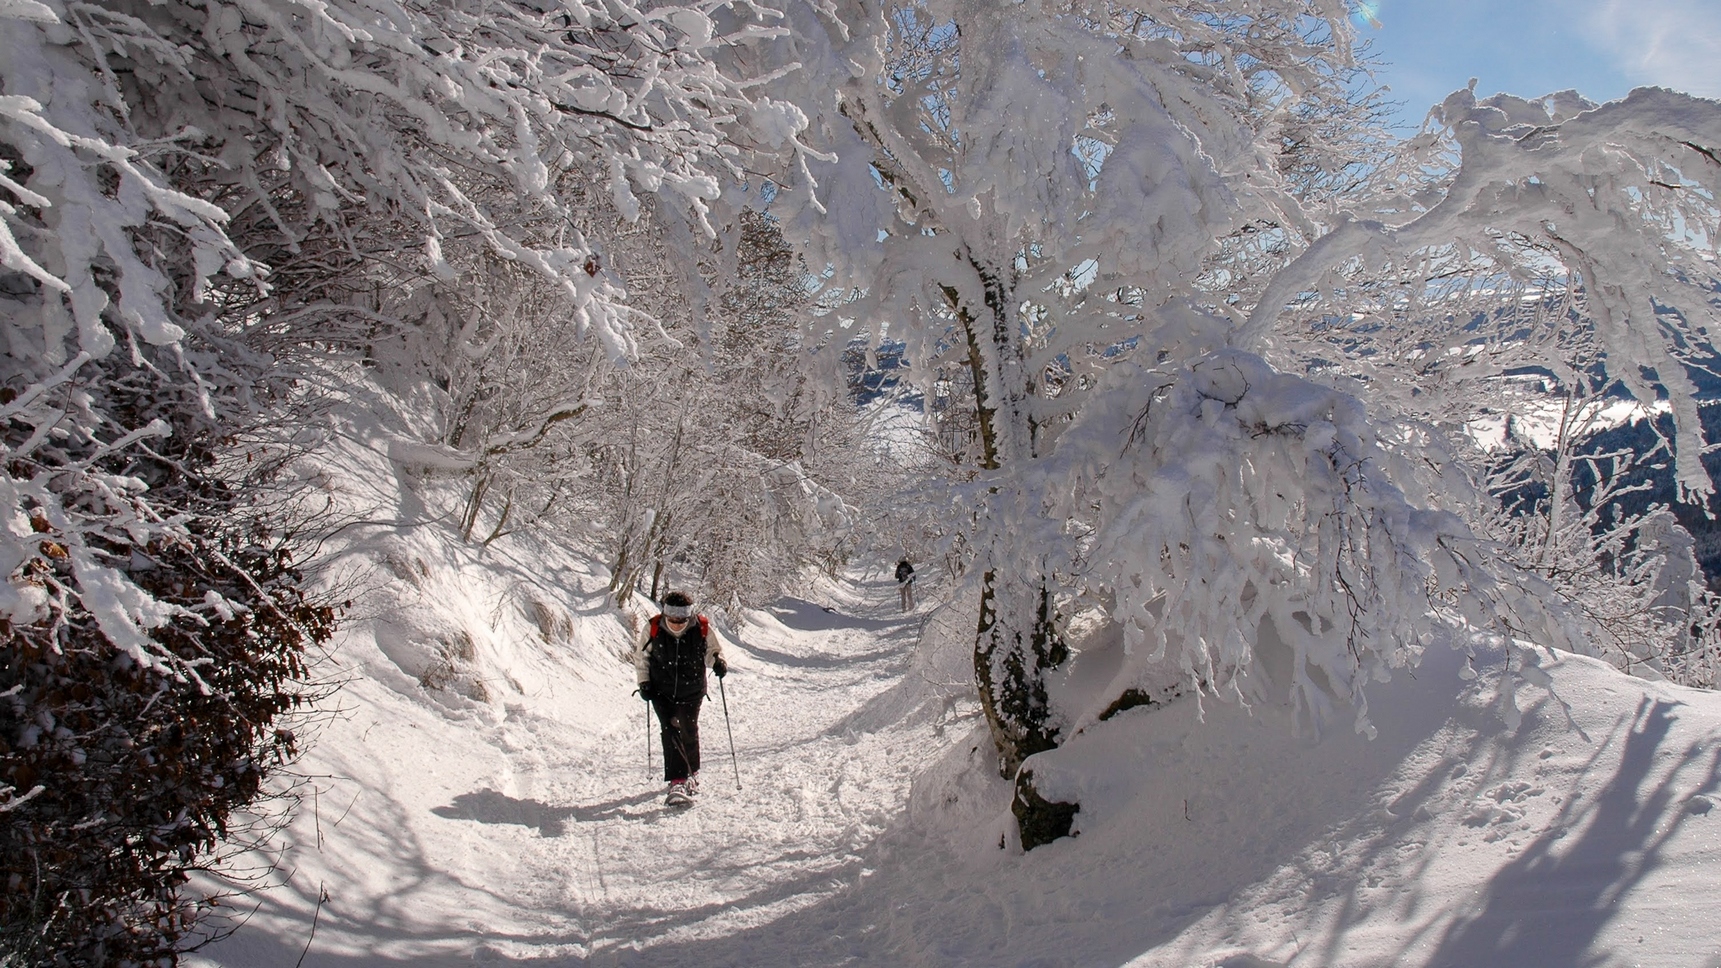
column 1666, row 43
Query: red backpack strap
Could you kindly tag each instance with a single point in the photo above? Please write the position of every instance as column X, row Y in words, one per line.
column 704, row 627
column 651, row 628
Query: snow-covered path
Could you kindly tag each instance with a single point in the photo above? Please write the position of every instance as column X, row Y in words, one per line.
column 535, row 838
column 824, row 761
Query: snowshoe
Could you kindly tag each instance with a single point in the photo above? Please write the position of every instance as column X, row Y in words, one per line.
column 678, row 795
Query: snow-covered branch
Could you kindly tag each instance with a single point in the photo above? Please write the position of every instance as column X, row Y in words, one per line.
column 1227, row 497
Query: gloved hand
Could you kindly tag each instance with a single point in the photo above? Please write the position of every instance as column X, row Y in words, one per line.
column 720, row 667
column 646, row 692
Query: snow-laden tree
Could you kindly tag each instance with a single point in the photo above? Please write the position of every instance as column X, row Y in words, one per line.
column 1033, row 191
column 1570, row 248
column 696, row 457
column 714, row 465
column 1509, row 371
column 1115, row 216
column 1615, row 201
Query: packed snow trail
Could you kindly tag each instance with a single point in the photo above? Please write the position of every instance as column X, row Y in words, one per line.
column 533, row 838
column 816, row 701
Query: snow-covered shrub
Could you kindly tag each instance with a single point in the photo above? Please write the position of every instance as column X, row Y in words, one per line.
column 553, row 621
column 148, row 696
column 1226, row 495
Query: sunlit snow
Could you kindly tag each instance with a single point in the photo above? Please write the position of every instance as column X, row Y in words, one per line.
column 511, row 814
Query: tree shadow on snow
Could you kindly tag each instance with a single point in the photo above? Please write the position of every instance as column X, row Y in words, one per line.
column 804, row 616
column 1525, row 915
column 818, row 661
column 901, row 897
column 629, row 937
column 1547, row 905
column 493, row 807
column 289, row 924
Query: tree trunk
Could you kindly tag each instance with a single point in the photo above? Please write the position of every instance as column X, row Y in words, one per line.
column 474, row 504
column 1010, row 666
column 622, row 575
column 1018, row 640
column 502, row 520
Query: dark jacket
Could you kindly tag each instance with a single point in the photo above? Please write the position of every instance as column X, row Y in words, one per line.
column 675, row 664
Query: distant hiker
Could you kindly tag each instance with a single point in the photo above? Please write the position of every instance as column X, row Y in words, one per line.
column 670, row 658
column 905, row 583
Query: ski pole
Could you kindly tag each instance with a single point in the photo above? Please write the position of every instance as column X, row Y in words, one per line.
column 732, row 762
column 647, row 738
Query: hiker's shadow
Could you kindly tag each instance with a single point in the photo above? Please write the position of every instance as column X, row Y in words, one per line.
column 491, row 806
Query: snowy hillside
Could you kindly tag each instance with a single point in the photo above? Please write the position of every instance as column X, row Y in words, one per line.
column 484, row 797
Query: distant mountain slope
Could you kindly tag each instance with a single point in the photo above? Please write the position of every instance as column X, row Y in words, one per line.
column 1704, row 524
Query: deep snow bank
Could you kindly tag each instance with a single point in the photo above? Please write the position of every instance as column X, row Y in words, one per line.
column 1220, row 836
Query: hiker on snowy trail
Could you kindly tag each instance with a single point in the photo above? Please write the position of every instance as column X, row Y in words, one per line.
column 905, row 583
column 670, row 657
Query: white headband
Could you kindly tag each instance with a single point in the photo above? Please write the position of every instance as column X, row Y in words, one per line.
column 678, row 611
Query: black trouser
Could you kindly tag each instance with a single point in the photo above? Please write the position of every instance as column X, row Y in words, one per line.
column 679, row 722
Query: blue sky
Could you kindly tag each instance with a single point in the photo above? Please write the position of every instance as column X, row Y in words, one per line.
column 1603, row 48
